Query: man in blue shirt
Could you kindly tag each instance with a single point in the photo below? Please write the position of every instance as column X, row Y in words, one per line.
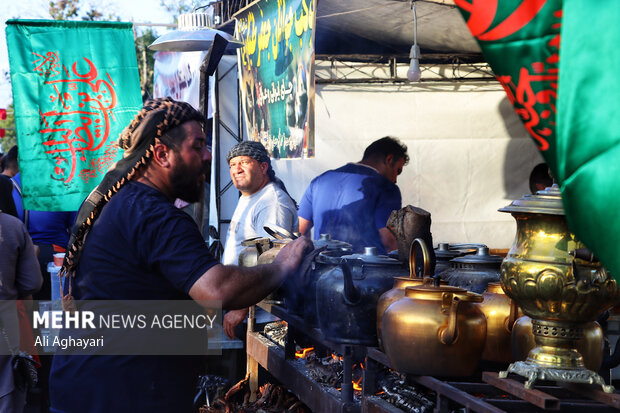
column 353, row 203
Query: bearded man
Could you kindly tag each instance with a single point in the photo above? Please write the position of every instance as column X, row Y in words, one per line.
column 131, row 243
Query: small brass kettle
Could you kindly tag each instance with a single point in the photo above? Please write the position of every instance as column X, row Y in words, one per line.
column 400, row 283
column 435, row 331
column 501, row 313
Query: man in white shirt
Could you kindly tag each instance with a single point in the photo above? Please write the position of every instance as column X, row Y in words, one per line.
column 263, row 201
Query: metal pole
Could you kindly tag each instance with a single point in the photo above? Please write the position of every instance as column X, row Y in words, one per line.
column 347, row 375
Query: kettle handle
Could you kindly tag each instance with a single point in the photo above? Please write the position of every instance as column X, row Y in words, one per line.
column 448, row 334
column 425, row 255
column 351, row 293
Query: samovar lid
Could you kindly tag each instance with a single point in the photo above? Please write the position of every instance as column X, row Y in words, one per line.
column 547, row 201
column 481, row 257
column 332, row 244
column 371, row 256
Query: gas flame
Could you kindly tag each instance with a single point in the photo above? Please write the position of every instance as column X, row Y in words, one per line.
column 303, row 353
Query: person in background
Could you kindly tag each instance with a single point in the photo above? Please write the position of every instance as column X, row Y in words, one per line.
column 353, row 203
column 264, row 201
column 8, row 163
column 130, row 242
column 540, row 178
column 49, row 231
column 20, row 277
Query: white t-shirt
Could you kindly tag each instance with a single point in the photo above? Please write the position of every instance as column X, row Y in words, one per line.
column 270, row 205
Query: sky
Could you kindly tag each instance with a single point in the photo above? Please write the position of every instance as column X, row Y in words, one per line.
column 137, row 11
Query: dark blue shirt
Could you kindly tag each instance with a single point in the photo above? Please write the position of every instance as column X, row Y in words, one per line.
column 351, row 204
column 140, row 248
column 45, row 227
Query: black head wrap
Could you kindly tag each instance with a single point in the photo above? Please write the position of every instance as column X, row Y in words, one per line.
column 256, row 150
column 138, row 139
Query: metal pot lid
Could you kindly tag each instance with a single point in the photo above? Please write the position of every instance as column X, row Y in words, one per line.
column 332, row 256
column 332, row 244
column 443, row 252
column 370, row 256
column 481, row 257
column 194, row 32
column 548, row 201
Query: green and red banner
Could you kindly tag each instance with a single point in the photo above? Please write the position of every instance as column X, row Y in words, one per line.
column 276, row 75
column 566, row 93
column 75, row 88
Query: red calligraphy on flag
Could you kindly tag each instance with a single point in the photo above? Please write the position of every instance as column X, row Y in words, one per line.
column 76, row 125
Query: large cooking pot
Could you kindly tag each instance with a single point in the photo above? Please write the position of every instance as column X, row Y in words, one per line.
column 474, row 272
column 347, row 295
column 400, row 283
column 435, row 331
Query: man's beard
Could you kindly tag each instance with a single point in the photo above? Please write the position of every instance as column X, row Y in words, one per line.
column 187, row 184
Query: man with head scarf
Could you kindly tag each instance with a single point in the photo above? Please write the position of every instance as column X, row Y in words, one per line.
column 131, row 243
column 264, row 201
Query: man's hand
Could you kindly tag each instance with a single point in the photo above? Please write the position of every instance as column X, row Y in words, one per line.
column 232, row 319
column 290, row 257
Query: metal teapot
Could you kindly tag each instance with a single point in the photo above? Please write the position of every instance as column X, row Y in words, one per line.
column 347, row 295
column 400, row 283
column 474, row 272
column 322, row 264
column 435, row 331
column 254, row 247
column 501, row 313
column 300, row 291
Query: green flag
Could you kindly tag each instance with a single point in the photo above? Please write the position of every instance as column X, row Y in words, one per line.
column 521, row 40
column 589, row 126
column 75, row 87
column 574, row 86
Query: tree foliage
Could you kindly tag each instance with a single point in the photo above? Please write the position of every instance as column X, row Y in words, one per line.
column 74, row 9
column 146, row 61
column 8, row 125
column 177, row 7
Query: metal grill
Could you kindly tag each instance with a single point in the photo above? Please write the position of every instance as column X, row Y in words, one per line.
column 488, row 393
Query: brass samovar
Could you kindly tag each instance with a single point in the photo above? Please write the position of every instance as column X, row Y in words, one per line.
column 544, row 274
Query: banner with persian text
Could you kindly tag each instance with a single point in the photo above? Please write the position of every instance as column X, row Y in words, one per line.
column 276, row 75
column 75, row 88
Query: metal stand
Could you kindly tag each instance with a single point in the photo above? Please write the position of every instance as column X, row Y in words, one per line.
column 533, row 371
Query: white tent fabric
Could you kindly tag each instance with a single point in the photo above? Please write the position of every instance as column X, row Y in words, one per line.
column 470, row 153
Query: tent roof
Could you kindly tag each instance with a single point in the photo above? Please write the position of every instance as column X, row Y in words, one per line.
column 386, row 27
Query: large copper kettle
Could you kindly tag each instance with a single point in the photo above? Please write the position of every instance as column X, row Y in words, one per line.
column 435, row 331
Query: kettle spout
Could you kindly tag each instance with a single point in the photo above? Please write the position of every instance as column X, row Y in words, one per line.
column 351, row 293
